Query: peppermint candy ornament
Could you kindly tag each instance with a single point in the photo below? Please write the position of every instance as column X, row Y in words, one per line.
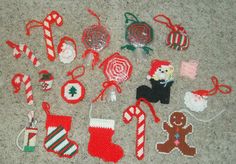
column 117, row 69
column 95, row 38
column 177, row 38
column 73, row 91
column 138, row 34
column 197, row 100
column 67, row 53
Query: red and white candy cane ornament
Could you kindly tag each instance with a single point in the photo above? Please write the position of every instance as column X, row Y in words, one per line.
column 25, row 49
column 117, row 69
column 16, row 83
column 136, row 111
column 53, row 17
column 73, row 91
column 95, row 38
column 67, row 53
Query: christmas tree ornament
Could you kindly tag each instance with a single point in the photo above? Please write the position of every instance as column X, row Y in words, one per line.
column 67, row 53
column 136, row 111
column 138, row 34
column 95, row 38
column 51, row 18
column 73, row 91
column 24, row 48
column 100, row 143
column 161, row 78
column 29, row 135
column 16, row 83
column 196, row 101
column 177, row 38
column 46, row 80
column 177, row 134
column 56, row 140
column 189, row 69
column 117, row 69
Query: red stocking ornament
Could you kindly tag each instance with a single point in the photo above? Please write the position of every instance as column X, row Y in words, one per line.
column 73, row 91
column 117, row 69
column 100, row 143
column 177, row 38
column 56, row 139
column 95, row 38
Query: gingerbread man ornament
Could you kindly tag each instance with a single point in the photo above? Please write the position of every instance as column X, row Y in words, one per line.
column 177, row 135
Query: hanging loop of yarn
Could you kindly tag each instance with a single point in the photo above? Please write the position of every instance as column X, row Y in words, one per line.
column 127, row 19
column 168, row 23
column 106, row 85
column 90, row 11
column 156, row 118
column 46, row 107
column 32, row 24
column 222, row 88
column 71, row 73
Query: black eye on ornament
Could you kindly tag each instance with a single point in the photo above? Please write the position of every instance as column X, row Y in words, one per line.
column 166, row 70
column 160, row 69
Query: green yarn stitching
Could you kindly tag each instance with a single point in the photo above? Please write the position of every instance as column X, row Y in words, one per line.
column 135, row 19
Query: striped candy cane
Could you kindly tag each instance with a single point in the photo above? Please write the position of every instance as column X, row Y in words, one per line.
column 136, row 111
column 51, row 18
column 16, row 83
column 25, row 49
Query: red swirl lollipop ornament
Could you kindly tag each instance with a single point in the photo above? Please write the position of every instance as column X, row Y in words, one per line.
column 95, row 38
column 117, row 70
column 138, row 34
column 73, row 91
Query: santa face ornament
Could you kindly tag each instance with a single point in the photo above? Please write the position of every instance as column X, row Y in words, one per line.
column 67, row 53
column 73, row 91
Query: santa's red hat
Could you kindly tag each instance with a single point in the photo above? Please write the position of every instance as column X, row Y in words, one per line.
column 156, row 64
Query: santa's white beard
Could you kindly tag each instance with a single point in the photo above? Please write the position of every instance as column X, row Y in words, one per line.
column 195, row 102
column 67, row 55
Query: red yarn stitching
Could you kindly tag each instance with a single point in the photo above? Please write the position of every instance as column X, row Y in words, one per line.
column 217, row 88
column 63, row 40
column 95, row 56
column 106, row 85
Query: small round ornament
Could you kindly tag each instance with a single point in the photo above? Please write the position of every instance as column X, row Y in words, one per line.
column 138, row 34
column 67, row 53
column 73, row 91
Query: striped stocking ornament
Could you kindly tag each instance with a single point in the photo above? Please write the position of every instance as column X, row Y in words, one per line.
column 57, row 140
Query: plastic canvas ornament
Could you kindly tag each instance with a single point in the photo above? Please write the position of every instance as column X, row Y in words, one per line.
column 100, row 143
column 29, row 135
column 57, row 129
column 16, row 83
column 51, row 18
column 67, row 53
column 73, row 91
column 161, row 78
column 177, row 135
column 46, row 80
column 138, row 34
column 117, row 70
column 24, row 48
column 177, row 38
column 197, row 100
column 189, row 69
column 95, row 38
column 137, row 112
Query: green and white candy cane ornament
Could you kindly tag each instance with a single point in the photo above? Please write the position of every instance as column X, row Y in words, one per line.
column 138, row 34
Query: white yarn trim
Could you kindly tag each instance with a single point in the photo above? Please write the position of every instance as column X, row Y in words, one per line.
column 102, row 123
